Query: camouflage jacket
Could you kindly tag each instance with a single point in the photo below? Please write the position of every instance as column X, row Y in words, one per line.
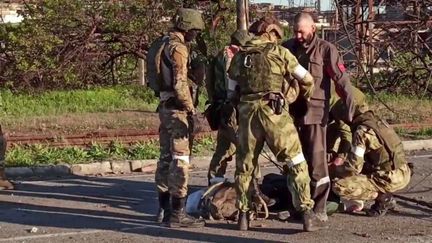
column 178, row 54
column 218, row 84
column 338, row 114
column 374, row 144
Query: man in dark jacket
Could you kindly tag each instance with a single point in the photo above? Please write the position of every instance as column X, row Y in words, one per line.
column 325, row 64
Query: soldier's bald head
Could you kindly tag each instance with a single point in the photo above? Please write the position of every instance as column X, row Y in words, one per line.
column 304, row 27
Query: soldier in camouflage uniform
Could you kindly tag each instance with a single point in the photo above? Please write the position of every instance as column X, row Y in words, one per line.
column 222, row 93
column 263, row 70
column 339, row 136
column 4, row 183
column 375, row 167
column 176, row 108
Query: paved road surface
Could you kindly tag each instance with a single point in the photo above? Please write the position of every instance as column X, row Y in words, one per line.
column 121, row 209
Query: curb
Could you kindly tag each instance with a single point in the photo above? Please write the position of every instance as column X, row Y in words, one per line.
column 96, row 168
column 417, row 145
column 143, row 166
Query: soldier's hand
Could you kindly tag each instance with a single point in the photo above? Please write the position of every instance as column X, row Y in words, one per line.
column 191, row 112
column 338, row 161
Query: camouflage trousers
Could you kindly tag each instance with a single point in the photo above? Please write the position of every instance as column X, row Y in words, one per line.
column 258, row 125
column 367, row 187
column 226, row 143
column 175, row 131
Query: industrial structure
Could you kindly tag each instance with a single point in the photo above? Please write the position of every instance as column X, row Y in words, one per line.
column 373, row 36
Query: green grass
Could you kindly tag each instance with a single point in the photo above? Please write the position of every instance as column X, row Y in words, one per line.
column 405, row 109
column 45, row 155
column 107, row 99
column 104, row 99
column 424, row 133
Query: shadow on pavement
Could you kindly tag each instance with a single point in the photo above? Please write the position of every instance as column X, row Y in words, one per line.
column 96, row 203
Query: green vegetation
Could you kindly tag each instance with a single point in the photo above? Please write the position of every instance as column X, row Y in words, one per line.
column 106, row 99
column 44, row 155
column 423, row 133
column 103, row 99
column 406, row 108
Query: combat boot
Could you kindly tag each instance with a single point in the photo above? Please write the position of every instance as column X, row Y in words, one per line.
column 4, row 183
column 383, row 203
column 179, row 218
column 164, row 208
column 311, row 222
column 243, row 221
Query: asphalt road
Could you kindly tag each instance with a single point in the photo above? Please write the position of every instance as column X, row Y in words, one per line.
column 121, row 209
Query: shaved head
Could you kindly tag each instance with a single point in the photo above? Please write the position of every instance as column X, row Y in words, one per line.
column 304, row 27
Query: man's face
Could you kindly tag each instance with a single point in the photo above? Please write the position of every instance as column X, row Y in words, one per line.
column 304, row 31
column 191, row 35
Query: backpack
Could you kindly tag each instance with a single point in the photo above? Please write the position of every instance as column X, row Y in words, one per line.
column 255, row 74
column 155, row 57
column 218, row 202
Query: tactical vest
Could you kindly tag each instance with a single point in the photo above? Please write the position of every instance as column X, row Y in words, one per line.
column 391, row 155
column 255, row 71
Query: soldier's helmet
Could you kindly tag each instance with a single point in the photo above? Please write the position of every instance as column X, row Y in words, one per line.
column 240, row 37
column 188, row 19
column 266, row 25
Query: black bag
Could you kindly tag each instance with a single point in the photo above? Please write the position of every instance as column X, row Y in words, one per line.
column 213, row 115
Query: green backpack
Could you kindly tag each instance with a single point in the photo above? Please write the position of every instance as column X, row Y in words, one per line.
column 255, row 75
column 154, row 57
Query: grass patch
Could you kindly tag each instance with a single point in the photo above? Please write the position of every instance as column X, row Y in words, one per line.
column 103, row 99
column 44, row 155
column 406, row 108
column 423, row 133
column 106, row 99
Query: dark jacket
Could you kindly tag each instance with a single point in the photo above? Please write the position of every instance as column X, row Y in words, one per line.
column 324, row 63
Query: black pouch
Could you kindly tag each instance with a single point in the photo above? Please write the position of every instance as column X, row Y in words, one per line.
column 212, row 114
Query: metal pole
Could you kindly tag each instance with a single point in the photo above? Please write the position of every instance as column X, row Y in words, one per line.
column 242, row 14
column 141, row 72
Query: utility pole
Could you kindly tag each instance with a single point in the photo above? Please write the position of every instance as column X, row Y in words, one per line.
column 242, row 14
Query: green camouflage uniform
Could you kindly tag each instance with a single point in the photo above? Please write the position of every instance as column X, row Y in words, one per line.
column 339, row 136
column 227, row 131
column 258, row 123
column 376, row 163
column 222, row 92
column 176, row 125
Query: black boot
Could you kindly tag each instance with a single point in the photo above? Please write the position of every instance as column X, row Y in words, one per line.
column 383, row 203
column 164, row 208
column 243, row 221
column 311, row 222
column 179, row 218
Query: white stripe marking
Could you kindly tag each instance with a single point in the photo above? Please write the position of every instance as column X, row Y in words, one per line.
column 184, row 158
column 297, row 160
column 359, row 151
column 300, row 72
column 322, row 181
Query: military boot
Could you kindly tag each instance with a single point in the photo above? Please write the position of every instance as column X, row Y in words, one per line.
column 179, row 218
column 311, row 222
column 4, row 183
column 164, row 208
column 383, row 203
column 243, row 221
